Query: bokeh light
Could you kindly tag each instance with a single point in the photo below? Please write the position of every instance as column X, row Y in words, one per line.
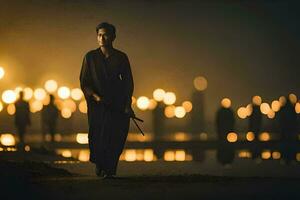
column 143, row 102
column 282, row 100
column 1, row 106
column 83, row 106
column 232, row 137
column 179, row 112
column 82, row 138
column 275, row 105
column 169, row 111
column 297, row 107
column 266, row 154
column 264, row 136
column 7, row 139
column 242, row 112
column 84, row 155
column 250, row 136
column 66, row 113
column 159, row 94
column 265, row 108
column 169, row 98
column 133, row 100
column 28, row 93
column 226, row 103
column 70, row 104
column 152, row 104
column 2, row 72
column 50, row 86
column 64, row 92
column 292, row 98
column 271, row 114
column 11, row 109
column 200, row 83
column 276, row 155
column 76, row 94
column 188, row 106
column 9, row 96
column 35, row 106
column 256, row 100
column 130, row 155
column 39, row 94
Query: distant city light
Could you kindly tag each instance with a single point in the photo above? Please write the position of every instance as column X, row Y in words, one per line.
column 265, row 108
column 292, row 98
column 275, row 105
column 84, row 155
column 7, row 139
column 244, row 154
column 82, row 138
column 297, row 108
column 159, row 94
column 179, row 112
column 133, row 100
column 70, row 104
column 232, row 137
column 188, row 106
column 66, row 153
column 256, row 100
column 169, row 98
column 250, row 136
column 152, row 104
column 282, row 100
column 203, row 136
column 266, row 154
column 28, row 93
column 2, row 72
column 83, row 106
column 130, row 155
column 9, row 96
column 200, row 83
column 249, row 109
column 242, row 112
column 39, row 94
column 148, row 155
column 143, row 102
column 50, row 86
column 1, row 106
column 35, row 106
column 276, row 155
column 271, row 114
column 169, row 111
column 66, row 113
column 76, row 94
column 264, row 136
column 64, row 92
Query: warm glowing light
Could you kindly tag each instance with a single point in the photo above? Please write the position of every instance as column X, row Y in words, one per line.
column 282, row 100
column 9, row 96
column 27, row 148
column 226, row 103
column 152, row 104
column 203, row 136
column 2, row 72
column 130, row 155
column 232, row 137
column 133, row 100
column 159, row 94
column 250, row 136
column 256, row 100
column 275, row 106
column 76, row 94
column 57, row 137
column 1, row 106
column 249, row 109
column 66, row 113
column 271, row 114
column 50, row 86
column 200, row 83
column 28, row 93
column 169, row 156
column 244, row 154
column 64, row 92
column 82, row 138
column 297, row 108
column 298, row 157
column 179, row 112
column 83, row 106
column 181, row 136
column 66, row 153
column 266, row 155
column 17, row 91
column 169, row 98
column 84, row 155
column 143, row 102
column 180, row 155
column 70, row 104
column 169, row 111
column 265, row 108
column 148, row 155
column 39, row 94
column 46, row 100
column 292, row 98
column 264, row 136
column 276, row 155
column 242, row 112
column 188, row 106
column 35, row 106
column 7, row 139
column 11, row 109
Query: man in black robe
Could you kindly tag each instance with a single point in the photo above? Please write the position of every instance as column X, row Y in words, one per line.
column 107, row 83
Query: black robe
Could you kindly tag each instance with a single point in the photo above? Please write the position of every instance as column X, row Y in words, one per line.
column 111, row 79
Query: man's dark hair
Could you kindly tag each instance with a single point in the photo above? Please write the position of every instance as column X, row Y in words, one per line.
column 109, row 27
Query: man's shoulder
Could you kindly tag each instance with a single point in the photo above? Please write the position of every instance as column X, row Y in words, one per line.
column 91, row 53
column 121, row 53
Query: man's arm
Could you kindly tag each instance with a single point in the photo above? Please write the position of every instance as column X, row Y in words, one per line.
column 129, row 86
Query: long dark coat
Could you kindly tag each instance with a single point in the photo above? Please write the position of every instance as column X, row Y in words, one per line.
column 111, row 79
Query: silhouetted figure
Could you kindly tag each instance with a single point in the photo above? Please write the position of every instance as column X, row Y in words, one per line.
column 197, row 123
column 49, row 117
column 22, row 116
column 288, row 126
column 107, row 83
column 255, row 120
column 158, row 119
column 225, row 122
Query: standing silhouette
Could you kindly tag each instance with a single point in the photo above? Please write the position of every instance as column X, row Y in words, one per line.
column 49, row 117
column 22, row 117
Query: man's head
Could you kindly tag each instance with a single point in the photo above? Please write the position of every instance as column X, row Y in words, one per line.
column 106, row 34
column 21, row 95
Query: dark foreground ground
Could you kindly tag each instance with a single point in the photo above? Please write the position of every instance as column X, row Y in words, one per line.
column 33, row 179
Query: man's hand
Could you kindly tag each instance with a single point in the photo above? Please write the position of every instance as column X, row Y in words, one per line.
column 96, row 97
column 129, row 112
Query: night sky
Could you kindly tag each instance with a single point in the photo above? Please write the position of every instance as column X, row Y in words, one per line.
column 243, row 49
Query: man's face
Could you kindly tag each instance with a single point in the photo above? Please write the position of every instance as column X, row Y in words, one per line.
column 104, row 38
